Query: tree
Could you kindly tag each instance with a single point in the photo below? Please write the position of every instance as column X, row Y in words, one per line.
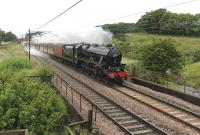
column 150, row 22
column 161, row 56
column 7, row 36
column 120, row 28
column 2, row 34
column 162, row 21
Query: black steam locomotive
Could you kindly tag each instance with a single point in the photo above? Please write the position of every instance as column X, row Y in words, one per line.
column 101, row 61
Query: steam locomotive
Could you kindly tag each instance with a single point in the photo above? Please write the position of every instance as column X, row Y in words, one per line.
column 101, row 61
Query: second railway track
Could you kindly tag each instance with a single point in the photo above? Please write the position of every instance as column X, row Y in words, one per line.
column 181, row 114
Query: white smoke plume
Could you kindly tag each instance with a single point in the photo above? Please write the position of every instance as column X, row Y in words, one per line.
column 96, row 36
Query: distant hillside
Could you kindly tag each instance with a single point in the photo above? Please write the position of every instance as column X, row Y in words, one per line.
column 131, row 44
column 187, row 45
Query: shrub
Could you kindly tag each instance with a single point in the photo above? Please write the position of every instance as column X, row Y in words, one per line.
column 15, row 64
column 26, row 103
column 196, row 56
column 161, row 56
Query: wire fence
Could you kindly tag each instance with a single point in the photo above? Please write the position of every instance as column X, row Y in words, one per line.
column 171, row 81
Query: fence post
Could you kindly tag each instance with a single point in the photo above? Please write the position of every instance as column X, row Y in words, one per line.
column 66, row 87
column 92, row 107
column 61, row 80
column 167, row 81
column 72, row 93
column 56, row 80
column 95, row 118
column 80, row 102
column 184, row 86
column 90, row 113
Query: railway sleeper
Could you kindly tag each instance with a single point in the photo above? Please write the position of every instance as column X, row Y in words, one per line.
column 169, row 110
column 189, row 119
column 105, row 105
column 124, row 118
column 113, row 111
column 129, row 122
column 143, row 132
column 101, row 103
column 181, row 116
column 95, row 98
column 108, row 108
column 129, row 127
column 98, row 100
column 196, row 124
column 137, row 128
column 116, row 115
column 175, row 113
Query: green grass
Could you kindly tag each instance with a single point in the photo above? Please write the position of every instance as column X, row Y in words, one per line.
column 12, row 50
column 186, row 45
column 192, row 74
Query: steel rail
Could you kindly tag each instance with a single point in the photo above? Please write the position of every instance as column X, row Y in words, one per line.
column 139, row 118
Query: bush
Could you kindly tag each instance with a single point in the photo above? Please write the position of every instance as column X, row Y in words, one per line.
column 162, row 56
column 196, row 56
column 26, row 103
column 15, row 64
column 29, row 104
column 44, row 71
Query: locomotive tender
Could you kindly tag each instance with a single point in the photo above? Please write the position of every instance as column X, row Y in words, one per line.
column 101, row 61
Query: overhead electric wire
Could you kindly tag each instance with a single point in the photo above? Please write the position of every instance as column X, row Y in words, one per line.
column 146, row 28
column 58, row 15
column 134, row 14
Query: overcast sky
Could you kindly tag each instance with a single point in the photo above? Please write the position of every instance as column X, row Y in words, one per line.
column 20, row 15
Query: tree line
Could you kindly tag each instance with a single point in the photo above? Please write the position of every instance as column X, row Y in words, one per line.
column 7, row 36
column 160, row 21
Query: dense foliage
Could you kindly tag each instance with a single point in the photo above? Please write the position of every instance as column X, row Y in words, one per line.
column 150, row 22
column 160, row 21
column 15, row 64
column 162, row 56
column 120, row 27
column 196, row 56
column 26, row 103
column 7, row 36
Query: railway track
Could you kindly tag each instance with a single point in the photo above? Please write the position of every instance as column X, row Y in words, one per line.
column 129, row 122
column 126, row 120
column 181, row 114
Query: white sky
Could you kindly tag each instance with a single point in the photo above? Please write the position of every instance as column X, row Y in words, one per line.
column 20, row 15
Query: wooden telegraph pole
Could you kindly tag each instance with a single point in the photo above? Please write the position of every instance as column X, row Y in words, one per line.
column 29, row 44
column 0, row 36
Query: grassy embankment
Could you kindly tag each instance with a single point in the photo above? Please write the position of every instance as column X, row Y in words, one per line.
column 186, row 45
column 22, row 99
column 16, row 51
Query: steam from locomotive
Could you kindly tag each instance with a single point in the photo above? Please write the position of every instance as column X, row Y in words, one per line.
column 96, row 36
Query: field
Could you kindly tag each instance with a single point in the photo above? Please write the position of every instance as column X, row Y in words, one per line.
column 12, row 50
column 186, row 45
